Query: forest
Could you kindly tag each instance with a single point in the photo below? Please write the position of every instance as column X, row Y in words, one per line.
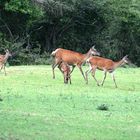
column 32, row 29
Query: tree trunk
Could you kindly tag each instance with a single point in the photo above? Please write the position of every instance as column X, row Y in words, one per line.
column 47, row 44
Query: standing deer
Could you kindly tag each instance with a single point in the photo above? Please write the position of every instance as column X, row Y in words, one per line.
column 66, row 71
column 72, row 58
column 105, row 65
column 3, row 60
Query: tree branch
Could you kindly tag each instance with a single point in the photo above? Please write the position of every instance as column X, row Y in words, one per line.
column 63, row 28
column 5, row 24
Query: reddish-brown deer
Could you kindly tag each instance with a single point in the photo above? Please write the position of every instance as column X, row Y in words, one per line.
column 66, row 71
column 105, row 65
column 3, row 60
column 72, row 58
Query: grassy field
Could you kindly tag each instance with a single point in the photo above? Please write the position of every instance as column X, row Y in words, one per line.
column 33, row 106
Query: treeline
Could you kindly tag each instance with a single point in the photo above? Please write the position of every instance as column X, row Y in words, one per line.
column 31, row 29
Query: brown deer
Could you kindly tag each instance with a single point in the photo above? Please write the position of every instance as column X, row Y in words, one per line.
column 72, row 58
column 66, row 71
column 3, row 60
column 105, row 65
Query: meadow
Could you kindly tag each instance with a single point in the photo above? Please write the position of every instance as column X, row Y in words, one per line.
column 33, row 106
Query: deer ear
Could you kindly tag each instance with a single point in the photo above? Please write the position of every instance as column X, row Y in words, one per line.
column 126, row 56
column 6, row 50
column 93, row 47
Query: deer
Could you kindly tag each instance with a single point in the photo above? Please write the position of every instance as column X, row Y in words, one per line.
column 3, row 60
column 72, row 58
column 106, row 65
column 66, row 71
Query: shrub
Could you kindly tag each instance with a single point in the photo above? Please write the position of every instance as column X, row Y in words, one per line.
column 103, row 107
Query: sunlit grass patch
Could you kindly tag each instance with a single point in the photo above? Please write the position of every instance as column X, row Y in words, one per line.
column 35, row 106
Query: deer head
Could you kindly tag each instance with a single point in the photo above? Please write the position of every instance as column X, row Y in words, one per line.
column 125, row 59
column 8, row 53
column 94, row 51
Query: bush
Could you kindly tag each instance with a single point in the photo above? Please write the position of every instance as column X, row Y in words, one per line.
column 31, row 59
column 44, row 59
column 103, row 107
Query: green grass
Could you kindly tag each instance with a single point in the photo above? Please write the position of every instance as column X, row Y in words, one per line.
column 33, row 106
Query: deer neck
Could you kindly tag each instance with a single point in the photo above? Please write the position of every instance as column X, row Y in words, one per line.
column 118, row 64
column 87, row 55
column 6, row 57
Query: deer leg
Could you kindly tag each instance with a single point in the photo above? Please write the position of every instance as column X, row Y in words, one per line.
column 113, row 77
column 70, row 79
column 1, row 67
column 72, row 69
column 93, row 75
column 105, row 72
column 86, row 74
column 57, row 62
column 64, row 79
column 53, row 67
column 82, row 72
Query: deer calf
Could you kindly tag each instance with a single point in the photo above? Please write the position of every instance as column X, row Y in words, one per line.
column 3, row 60
column 105, row 65
column 66, row 71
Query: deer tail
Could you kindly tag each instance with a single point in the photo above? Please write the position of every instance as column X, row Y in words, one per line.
column 53, row 53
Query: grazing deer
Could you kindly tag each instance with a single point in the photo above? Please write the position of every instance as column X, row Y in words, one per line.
column 72, row 58
column 105, row 65
column 66, row 71
column 3, row 60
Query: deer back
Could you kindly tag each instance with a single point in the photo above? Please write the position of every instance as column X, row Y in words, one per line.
column 101, row 63
column 68, row 56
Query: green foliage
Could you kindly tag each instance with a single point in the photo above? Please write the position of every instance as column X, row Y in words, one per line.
column 25, row 7
column 1, row 99
column 103, row 107
column 4, row 44
column 43, row 59
column 113, row 26
column 3, row 2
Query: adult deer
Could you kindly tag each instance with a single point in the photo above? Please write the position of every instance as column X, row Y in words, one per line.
column 66, row 71
column 105, row 65
column 72, row 58
column 3, row 60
